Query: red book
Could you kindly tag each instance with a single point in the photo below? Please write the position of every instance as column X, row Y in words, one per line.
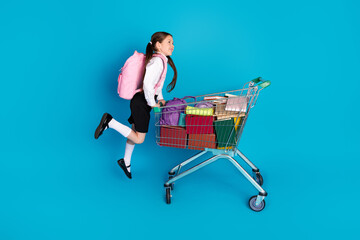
column 172, row 136
column 201, row 141
column 199, row 124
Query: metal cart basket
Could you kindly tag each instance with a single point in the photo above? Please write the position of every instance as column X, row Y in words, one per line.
column 212, row 123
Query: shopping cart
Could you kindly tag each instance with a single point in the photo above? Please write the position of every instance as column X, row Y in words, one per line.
column 212, row 123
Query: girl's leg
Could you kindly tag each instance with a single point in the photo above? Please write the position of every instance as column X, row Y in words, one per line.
column 132, row 135
column 129, row 148
column 121, row 128
column 136, row 137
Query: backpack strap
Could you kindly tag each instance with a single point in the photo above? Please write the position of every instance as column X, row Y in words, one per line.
column 189, row 97
column 163, row 75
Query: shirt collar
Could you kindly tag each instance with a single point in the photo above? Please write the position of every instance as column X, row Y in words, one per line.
column 163, row 55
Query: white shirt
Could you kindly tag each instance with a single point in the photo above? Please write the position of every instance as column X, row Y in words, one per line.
column 153, row 73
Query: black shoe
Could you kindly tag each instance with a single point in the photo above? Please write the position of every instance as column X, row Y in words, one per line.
column 104, row 124
column 124, row 168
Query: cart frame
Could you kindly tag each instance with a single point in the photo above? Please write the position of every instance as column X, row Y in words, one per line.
column 257, row 203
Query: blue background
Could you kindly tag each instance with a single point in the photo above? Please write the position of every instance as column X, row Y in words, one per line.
column 59, row 67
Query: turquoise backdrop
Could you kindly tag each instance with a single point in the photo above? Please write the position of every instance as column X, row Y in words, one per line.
column 58, row 70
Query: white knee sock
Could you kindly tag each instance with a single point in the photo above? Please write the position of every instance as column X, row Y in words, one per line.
column 129, row 148
column 122, row 129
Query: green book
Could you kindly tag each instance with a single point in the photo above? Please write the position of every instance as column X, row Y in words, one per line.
column 225, row 132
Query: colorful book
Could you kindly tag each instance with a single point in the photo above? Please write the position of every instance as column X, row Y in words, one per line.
column 238, row 104
column 225, row 132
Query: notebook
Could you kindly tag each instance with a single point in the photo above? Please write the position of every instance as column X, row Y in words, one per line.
column 238, row 104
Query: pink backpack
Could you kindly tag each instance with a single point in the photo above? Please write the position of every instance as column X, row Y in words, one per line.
column 131, row 76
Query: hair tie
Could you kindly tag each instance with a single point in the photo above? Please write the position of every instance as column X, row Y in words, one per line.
column 150, row 42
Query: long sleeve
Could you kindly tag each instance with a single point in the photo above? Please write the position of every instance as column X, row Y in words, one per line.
column 159, row 91
column 153, row 73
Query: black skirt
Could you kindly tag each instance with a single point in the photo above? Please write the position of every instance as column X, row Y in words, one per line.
column 140, row 112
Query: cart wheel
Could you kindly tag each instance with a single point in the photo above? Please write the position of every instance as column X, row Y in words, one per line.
column 259, row 179
column 171, row 185
column 168, row 196
column 255, row 208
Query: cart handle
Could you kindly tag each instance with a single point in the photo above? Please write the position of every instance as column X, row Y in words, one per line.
column 263, row 83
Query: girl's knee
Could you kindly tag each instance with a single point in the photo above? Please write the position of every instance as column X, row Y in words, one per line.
column 139, row 140
column 136, row 138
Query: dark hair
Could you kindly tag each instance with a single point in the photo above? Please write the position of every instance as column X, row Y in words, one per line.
column 150, row 48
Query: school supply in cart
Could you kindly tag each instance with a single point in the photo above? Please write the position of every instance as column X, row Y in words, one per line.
column 237, row 104
column 199, row 111
column 225, row 133
column 201, row 141
column 204, row 105
column 182, row 120
column 171, row 113
column 173, row 136
column 196, row 124
column 238, row 122
column 221, row 112
column 216, row 99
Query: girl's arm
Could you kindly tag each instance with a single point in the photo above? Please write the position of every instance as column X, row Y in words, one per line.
column 153, row 72
column 159, row 91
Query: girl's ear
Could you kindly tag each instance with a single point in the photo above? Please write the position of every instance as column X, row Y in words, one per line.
column 157, row 46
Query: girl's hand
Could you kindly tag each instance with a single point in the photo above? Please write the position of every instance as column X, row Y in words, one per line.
column 156, row 105
column 162, row 101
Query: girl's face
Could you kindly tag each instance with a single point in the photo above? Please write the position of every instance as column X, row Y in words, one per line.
column 166, row 47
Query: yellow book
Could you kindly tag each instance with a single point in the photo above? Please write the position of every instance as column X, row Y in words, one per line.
column 224, row 147
column 238, row 122
column 199, row 111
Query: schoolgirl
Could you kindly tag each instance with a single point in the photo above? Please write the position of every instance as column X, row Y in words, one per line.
column 142, row 102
